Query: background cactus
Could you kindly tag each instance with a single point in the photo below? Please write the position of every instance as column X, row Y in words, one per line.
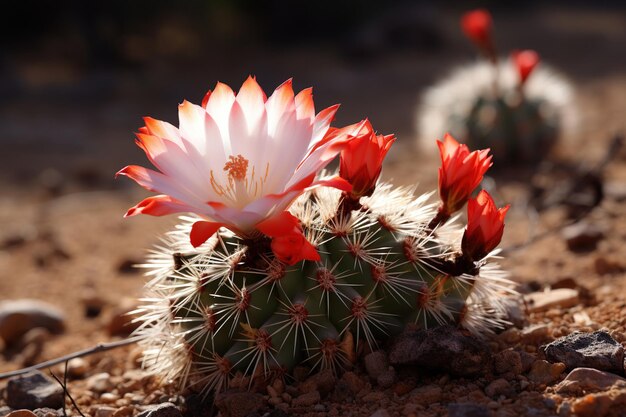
column 230, row 305
column 512, row 106
column 519, row 128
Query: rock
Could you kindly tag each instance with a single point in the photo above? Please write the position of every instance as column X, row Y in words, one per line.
column 376, row 363
column 323, row 381
column 444, row 348
column 387, row 378
column 104, row 411
column 93, row 303
column 128, row 266
column 21, row 413
column 373, row 397
column 381, row 412
column 99, row 382
column 77, row 367
column 545, row 300
column 426, row 395
column 582, row 236
column 527, row 360
column 499, row 387
column 587, row 350
column 353, row 382
column 582, row 380
column 468, row 410
column 605, row 266
column 121, row 319
column 514, row 311
column 47, row 412
column 162, row 410
column 544, row 372
column 31, row 345
column 124, row 411
column 306, row 400
column 19, row 316
column 34, row 390
column 508, row 361
column 238, row 404
column 599, row 405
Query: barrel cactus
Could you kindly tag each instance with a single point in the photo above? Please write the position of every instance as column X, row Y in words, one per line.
column 311, row 271
column 514, row 106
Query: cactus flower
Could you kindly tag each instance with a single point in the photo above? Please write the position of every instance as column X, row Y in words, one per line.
column 485, row 225
column 477, row 26
column 460, row 173
column 238, row 159
column 361, row 160
column 525, row 61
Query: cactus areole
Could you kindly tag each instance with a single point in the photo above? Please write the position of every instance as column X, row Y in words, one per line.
column 277, row 264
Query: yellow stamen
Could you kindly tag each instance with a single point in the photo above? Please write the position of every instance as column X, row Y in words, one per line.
column 241, row 188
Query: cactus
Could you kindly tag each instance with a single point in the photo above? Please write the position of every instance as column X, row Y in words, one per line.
column 353, row 262
column 513, row 106
column 230, row 305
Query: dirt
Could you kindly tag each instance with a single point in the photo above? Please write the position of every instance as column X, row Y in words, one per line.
column 63, row 238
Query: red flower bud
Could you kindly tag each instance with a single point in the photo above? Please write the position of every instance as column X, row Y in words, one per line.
column 525, row 61
column 477, row 25
column 485, row 225
column 460, row 173
column 362, row 158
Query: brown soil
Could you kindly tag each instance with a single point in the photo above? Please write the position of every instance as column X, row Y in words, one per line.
column 67, row 239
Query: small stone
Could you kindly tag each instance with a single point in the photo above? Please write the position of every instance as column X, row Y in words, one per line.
column 514, row 311
column 323, row 381
column 403, row 387
column 443, row 348
column 376, row 363
column 582, row 236
column 32, row 345
column 387, row 378
column 19, row 316
column 468, row 410
column 508, row 361
column 4, row 410
column 128, row 266
column 104, row 411
column 599, row 405
column 124, row 411
column 499, row 387
column 306, row 400
column 238, row 404
column 77, row 367
column 121, row 320
column 604, row 266
column 279, row 385
column 381, row 412
column 99, row 382
column 109, row 397
column 161, row 410
column 271, row 391
column 319, row 407
column 582, row 380
column 527, row 360
column 354, row 383
column 587, row 350
column 544, row 372
column 47, row 412
column 426, row 395
column 300, row 373
column 545, row 300
column 21, row 413
column 373, row 397
column 34, row 390
column 93, row 303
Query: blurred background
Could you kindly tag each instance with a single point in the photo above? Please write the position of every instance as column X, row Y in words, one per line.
column 76, row 77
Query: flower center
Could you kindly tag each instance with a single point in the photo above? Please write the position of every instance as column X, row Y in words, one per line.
column 242, row 188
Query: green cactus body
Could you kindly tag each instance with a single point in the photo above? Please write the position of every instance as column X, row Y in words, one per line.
column 516, row 128
column 231, row 306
